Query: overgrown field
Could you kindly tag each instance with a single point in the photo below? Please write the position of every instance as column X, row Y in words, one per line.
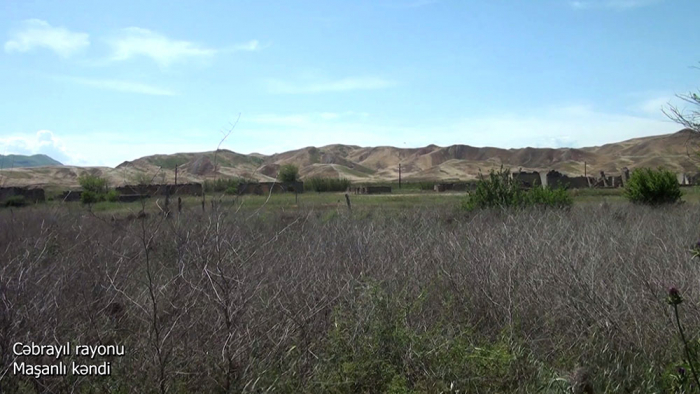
column 407, row 300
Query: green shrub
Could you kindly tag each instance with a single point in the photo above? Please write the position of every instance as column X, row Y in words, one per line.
column 93, row 183
column 89, row 197
column 221, row 185
column 500, row 190
column 15, row 201
column 372, row 346
column 548, row 197
column 231, row 190
column 112, row 196
column 288, row 173
column 653, row 187
column 426, row 185
column 319, row 184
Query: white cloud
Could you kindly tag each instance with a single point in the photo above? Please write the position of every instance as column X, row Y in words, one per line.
column 612, row 4
column 653, row 103
column 120, row 86
column 252, row 45
column 43, row 142
column 654, row 106
column 36, row 33
column 339, row 85
column 133, row 42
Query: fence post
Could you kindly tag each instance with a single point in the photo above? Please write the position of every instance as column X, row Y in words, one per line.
column 347, row 199
column 167, row 201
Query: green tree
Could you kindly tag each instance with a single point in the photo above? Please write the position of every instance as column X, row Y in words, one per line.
column 288, row 173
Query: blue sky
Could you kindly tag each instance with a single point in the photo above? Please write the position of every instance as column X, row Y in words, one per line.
column 98, row 83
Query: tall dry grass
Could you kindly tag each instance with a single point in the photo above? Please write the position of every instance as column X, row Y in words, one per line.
column 427, row 300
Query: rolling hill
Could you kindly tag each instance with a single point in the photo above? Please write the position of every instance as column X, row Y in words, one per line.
column 15, row 161
column 676, row 152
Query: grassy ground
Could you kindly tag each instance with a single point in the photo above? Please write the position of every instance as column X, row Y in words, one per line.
column 410, row 198
column 417, row 299
column 285, row 202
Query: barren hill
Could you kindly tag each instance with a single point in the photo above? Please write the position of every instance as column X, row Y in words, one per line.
column 676, row 152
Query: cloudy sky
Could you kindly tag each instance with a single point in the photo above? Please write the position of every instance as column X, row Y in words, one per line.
column 97, row 83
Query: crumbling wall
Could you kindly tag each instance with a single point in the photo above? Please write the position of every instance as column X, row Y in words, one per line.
column 185, row 189
column 527, row 179
column 371, row 189
column 30, row 194
column 265, row 187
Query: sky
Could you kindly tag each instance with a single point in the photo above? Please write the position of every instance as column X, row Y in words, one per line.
column 98, row 83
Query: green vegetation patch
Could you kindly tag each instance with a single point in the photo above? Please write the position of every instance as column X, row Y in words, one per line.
column 224, row 185
column 653, row 187
column 319, row 184
column 500, row 190
column 15, row 201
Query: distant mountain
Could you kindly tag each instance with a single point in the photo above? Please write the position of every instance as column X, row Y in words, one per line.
column 675, row 152
column 15, row 161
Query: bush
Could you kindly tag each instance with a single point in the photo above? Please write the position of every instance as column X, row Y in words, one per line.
column 89, row 197
column 112, row 196
column 500, row 190
column 426, row 185
column 231, row 190
column 15, row 201
column 288, row 173
column 221, row 185
column 548, row 197
column 93, row 183
column 319, row 184
column 652, row 187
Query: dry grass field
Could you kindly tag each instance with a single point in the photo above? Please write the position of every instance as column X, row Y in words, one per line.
column 420, row 298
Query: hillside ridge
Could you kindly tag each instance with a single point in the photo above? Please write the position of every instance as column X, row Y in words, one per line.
column 381, row 164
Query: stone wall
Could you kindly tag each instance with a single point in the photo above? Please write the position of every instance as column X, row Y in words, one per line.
column 262, row 188
column 370, row 189
column 456, row 187
column 69, row 196
column 30, row 194
column 185, row 189
column 556, row 179
column 527, row 179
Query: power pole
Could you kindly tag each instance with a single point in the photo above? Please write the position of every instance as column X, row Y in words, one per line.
column 399, row 175
column 175, row 174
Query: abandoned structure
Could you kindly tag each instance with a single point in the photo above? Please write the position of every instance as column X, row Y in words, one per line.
column 30, row 194
column 267, row 187
column 370, row 189
column 185, row 189
column 456, row 187
column 69, row 196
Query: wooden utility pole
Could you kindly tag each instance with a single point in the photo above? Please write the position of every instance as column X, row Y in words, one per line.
column 175, row 174
column 399, row 175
